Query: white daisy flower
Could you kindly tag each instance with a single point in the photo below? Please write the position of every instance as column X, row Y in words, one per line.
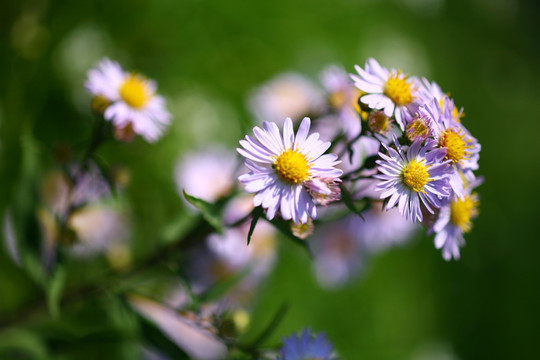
column 279, row 167
column 412, row 179
column 134, row 108
column 387, row 90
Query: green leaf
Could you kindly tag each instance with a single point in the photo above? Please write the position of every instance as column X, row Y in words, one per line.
column 256, row 213
column 16, row 343
column 349, row 202
column 210, row 212
column 55, row 288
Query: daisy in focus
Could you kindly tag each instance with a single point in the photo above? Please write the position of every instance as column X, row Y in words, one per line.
column 387, row 90
column 454, row 220
column 462, row 150
column 286, row 171
column 413, row 179
column 129, row 101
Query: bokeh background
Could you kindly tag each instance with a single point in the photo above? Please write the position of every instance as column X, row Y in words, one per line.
column 207, row 55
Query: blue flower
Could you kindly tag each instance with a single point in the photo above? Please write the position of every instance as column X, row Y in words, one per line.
column 306, row 346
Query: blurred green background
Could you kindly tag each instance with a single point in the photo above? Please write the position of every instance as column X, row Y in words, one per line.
column 207, row 55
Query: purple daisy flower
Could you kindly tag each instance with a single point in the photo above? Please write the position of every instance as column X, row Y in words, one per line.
column 306, row 346
column 462, row 150
column 454, row 220
column 387, row 90
column 280, row 166
column 418, row 177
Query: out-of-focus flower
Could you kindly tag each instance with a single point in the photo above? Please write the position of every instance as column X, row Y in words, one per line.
column 455, row 219
column 306, row 346
column 287, row 95
column 418, row 177
column 208, row 175
column 343, row 98
column 388, row 90
column 227, row 255
column 280, row 165
column 338, row 254
column 135, row 107
column 77, row 211
column 381, row 230
column 462, row 150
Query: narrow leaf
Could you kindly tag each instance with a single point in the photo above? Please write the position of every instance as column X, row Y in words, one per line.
column 210, row 212
column 256, row 213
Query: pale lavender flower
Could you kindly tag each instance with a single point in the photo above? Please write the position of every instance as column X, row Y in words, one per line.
column 208, row 174
column 462, row 150
column 288, row 94
column 338, row 254
column 306, row 346
column 381, row 230
column 280, row 165
column 455, row 219
column 387, row 90
column 134, row 107
column 412, row 179
column 343, row 98
column 432, row 90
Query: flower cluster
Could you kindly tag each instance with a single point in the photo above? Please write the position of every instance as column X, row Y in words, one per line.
column 427, row 171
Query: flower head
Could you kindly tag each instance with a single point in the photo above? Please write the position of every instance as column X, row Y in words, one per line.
column 387, row 90
column 129, row 101
column 288, row 94
column 306, row 346
column 279, row 167
column 455, row 219
column 417, row 177
column 462, row 150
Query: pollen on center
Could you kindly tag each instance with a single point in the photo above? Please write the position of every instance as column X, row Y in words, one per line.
column 133, row 91
column 457, row 148
column 415, row 175
column 292, row 166
column 398, row 89
column 462, row 211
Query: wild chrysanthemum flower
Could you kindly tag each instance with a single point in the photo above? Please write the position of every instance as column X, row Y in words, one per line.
column 417, row 177
column 462, row 150
column 279, row 167
column 306, row 346
column 133, row 105
column 455, row 219
column 433, row 90
column 385, row 89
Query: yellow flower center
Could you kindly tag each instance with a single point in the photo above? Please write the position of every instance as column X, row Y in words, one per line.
column 292, row 166
column 133, row 91
column 455, row 144
column 417, row 129
column 398, row 89
column 462, row 211
column 415, row 175
column 455, row 112
column 337, row 99
column 378, row 122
